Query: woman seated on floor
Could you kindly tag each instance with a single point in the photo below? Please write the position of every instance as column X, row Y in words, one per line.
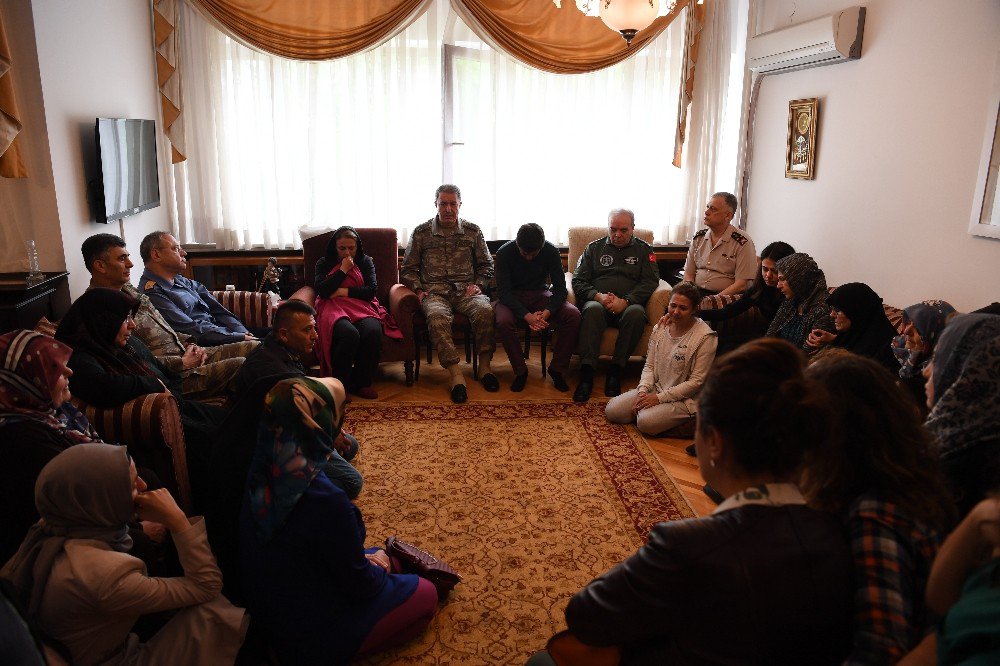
column 37, row 422
column 880, row 476
column 319, row 595
column 111, row 366
column 763, row 296
column 963, row 394
column 349, row 319
column 681, row 350
column 804, row 309
column 922, row 326
column 765, row 579
column 83, row 589
column 860, row 323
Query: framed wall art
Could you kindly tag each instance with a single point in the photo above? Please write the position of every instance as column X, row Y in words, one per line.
column 800, row 153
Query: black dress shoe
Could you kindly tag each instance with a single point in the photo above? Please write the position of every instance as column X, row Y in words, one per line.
column 558, row 381
column 518, row 384
column 490, row 382
column 713, row 494
column 691, row 451
column 612, row 385
column 583, row 389
column 459, row 394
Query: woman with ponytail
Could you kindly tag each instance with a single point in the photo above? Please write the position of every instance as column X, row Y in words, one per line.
column 770, row 575
column 879, row 475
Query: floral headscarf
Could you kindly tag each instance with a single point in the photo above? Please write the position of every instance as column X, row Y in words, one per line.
column 966, row 408
column 929, row 318
column 808, row 283
column 302, row 417
column 30, row 365
column 85, row 492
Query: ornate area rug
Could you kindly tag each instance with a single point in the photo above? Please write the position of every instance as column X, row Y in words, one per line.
column 529, row 501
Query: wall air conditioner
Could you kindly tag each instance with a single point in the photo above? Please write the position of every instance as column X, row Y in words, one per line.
column 823, row 41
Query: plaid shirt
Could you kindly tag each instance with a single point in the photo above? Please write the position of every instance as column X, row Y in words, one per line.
column 892, row 560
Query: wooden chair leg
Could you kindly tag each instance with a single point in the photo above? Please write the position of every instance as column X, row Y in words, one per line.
column 411, row 376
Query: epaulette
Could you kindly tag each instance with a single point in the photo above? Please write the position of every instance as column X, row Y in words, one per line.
column 740, row 238
column 701, row 232
column 149, row 285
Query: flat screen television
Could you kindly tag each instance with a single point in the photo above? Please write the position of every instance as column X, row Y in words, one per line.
column 126, row 155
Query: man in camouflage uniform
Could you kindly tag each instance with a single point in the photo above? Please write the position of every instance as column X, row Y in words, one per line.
column 206, row 371
column 722, row 259
column 449, row 267
column 614, row 278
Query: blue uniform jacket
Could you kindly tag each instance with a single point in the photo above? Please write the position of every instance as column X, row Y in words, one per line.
column 189, row 308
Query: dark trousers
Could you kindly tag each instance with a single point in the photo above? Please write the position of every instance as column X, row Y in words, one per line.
column 355, row 349
column 630, row 324
column 566, row 321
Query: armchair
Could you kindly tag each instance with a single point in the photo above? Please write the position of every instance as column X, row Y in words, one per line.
column 382, row 246
column 579, row 237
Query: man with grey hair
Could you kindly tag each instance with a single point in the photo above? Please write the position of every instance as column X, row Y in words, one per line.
column 615, row 277
column 722, row 259
column 449, row 267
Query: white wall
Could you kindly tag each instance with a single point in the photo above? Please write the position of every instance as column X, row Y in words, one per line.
column 96, row 60
column 28, row 205
column 900, row 135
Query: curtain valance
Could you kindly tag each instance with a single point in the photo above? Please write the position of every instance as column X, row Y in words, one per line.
column 560, row 40
column 11, row 165
column 312, row 29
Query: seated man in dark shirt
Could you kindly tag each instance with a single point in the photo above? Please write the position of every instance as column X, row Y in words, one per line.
column 293, row 334
column 532, row 289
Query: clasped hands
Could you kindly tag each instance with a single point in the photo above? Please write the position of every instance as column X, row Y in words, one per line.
column 537, row 321
column 611, row 303
column 644, row 400
column 194, row 357
column 818, row 337
column 470, row 290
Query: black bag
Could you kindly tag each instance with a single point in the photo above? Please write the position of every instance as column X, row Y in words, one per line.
column 423, row 564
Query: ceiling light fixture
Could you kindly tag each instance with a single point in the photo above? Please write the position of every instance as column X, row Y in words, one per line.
column 625, row 16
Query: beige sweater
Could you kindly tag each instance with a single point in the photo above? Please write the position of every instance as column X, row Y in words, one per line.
column 675, row 368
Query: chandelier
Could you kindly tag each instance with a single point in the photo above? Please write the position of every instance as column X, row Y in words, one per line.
column 625, row 16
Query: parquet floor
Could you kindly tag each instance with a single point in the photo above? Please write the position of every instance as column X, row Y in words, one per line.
column 433, row 386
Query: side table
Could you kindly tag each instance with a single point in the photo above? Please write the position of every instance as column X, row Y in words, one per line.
column 21, row 306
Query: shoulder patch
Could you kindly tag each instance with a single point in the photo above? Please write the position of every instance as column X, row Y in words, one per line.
column 739, row 238
column 701, row 232
column 652, row 257
column 149, row 285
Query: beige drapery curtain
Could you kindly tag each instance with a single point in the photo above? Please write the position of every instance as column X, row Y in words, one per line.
column 692, row 39
column 312, row 29
column 560, row 40
column 168, row 80
column 11, row 164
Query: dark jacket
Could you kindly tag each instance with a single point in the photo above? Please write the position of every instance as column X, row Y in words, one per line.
column 515, row 273
column 753, row 585
column 325, row 286
column 269, row 358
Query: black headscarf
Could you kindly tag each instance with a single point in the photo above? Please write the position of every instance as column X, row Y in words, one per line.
column 92, row 324
column 331, row 247
column 870, row 333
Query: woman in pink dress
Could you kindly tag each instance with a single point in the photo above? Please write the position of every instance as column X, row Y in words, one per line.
column 350, row 320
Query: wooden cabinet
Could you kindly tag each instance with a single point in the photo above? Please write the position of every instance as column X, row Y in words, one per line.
column 21, row 305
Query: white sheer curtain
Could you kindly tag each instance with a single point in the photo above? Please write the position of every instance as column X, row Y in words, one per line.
column 713, row 136
column 562, row 150
column 276, row 144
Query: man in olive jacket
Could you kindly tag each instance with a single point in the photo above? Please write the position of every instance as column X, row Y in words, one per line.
column 614, row 279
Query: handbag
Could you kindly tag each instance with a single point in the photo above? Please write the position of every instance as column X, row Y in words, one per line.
column 425, row 565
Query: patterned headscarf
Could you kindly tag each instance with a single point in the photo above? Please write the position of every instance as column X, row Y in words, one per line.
column 85, row 492
column 870, row 333
column 966, row 408
column 30, row 365
column 302, row 417
column 808, row 283
column 929, row 318
column 92, row 324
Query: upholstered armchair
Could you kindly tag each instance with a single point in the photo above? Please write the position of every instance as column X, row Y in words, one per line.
column 383, row 247
column 579, row 237
column 253, row 308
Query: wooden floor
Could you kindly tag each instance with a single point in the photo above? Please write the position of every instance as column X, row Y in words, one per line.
column 433, row 386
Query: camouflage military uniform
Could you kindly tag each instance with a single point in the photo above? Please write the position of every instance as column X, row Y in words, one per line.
column 443, row 262
column 221, row 364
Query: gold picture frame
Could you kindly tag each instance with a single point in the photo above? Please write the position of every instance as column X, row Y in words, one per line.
column 800, row 153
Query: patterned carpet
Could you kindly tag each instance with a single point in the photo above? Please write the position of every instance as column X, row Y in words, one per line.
column 529, row 502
